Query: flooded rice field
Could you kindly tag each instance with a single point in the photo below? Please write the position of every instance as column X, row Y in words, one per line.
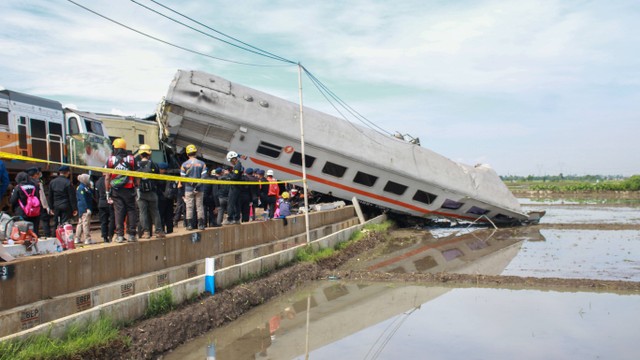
column 339, row 319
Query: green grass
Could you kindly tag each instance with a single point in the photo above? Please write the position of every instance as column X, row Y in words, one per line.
column 76, row 340
column 308, row 254
column 160, row 303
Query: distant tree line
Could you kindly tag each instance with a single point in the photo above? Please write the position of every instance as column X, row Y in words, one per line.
column 569, row 183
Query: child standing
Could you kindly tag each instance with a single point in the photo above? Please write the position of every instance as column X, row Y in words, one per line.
column 84, row 194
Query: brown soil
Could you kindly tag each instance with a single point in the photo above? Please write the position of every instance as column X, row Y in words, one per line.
column 151, row 338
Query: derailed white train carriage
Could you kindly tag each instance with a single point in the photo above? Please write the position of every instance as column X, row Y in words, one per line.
column 342, row 159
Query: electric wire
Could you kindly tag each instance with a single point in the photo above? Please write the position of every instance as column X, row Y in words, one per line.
column 346, row 106
column 275, row 57
column 322, row 88
column 223, row 34
column 262, row 52
column 169, row 43
column 358, row 129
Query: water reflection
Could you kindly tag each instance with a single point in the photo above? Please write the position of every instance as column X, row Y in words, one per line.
column 485, row 251
column 349, row 321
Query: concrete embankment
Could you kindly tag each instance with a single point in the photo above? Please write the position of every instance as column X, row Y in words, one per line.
column 136, row 270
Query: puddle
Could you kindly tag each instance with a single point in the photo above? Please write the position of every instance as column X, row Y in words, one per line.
column 587, row 254
column 383, row 321
column 588, row 214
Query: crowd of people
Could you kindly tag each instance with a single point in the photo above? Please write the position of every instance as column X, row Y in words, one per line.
column 139, row 207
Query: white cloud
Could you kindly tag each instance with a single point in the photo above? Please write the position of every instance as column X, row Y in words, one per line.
column 487, row 75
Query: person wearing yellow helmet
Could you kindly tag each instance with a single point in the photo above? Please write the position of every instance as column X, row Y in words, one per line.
column 120, row 190
column 148, row 196
column 191, row 149
column 193, row 192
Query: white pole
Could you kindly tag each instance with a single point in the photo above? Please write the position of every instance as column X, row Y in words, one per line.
column 304, row 164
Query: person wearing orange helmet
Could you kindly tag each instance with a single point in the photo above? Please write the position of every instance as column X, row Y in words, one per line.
column 193, row 192
column 120, row 190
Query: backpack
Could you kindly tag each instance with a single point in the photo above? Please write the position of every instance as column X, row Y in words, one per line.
column 171, row 190
column 32, row 207
column 146, row 185
column 119, row 163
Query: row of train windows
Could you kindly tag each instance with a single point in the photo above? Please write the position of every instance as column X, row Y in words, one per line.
column 365, row 179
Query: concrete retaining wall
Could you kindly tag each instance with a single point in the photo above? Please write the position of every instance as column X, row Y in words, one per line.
column 133, row 306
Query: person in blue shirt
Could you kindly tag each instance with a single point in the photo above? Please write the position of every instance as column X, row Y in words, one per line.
column 193, row 192
column 4, row 179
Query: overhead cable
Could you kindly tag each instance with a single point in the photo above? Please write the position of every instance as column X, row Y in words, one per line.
column 351, row 110
column 169, row 43
column 211, row 36
column 223, row 34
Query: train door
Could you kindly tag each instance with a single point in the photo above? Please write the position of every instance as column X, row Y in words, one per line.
column 55, row 139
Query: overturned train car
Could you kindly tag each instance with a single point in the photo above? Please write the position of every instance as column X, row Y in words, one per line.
column 342, row 159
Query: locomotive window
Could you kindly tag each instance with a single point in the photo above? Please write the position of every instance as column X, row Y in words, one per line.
column 94, row 127
column 424, row 197
column 73, row 126
column 38, row 129
column 141, row 139
column 477, row 211
column 268, row 149
column 296, row 158
column 55, row 128
column 365, row 179
column 450, row 204
column 4, row 118
column 395, row 188
column 334, row 169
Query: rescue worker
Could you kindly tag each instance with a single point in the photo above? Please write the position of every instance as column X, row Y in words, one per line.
column 193, row 192
column 62, row 198
column 147, row 195
column 167, row 193
column 223, row 195
column 211, row 201
column 105, row 210
column 233, row 208
column 121, row 190
column 273, row 194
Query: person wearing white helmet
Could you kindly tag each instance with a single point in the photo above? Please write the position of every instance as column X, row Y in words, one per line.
column 193, row 192
column 233, row 207
column 272, row 194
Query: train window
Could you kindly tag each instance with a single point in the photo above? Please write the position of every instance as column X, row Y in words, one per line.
column 38, row 129
column 365, row 179
column 4, row 118
column 94, row 127
column 268, row 149
column 55, row 128
column 141, row 139
column 334, row 169
column 450, row 204
column 477, row 211
column 424, row 197
column 395, row 188
column 502, row 217
column 296, row 158
column 73, row 126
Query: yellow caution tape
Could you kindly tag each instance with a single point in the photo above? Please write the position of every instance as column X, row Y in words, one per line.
column 139, row 174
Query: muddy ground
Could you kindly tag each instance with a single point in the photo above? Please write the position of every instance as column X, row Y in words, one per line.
column 151, row 338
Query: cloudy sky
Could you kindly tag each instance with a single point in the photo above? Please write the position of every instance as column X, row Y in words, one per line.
column 529, row 87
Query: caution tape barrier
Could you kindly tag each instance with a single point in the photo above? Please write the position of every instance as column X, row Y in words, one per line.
column 139, row 174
